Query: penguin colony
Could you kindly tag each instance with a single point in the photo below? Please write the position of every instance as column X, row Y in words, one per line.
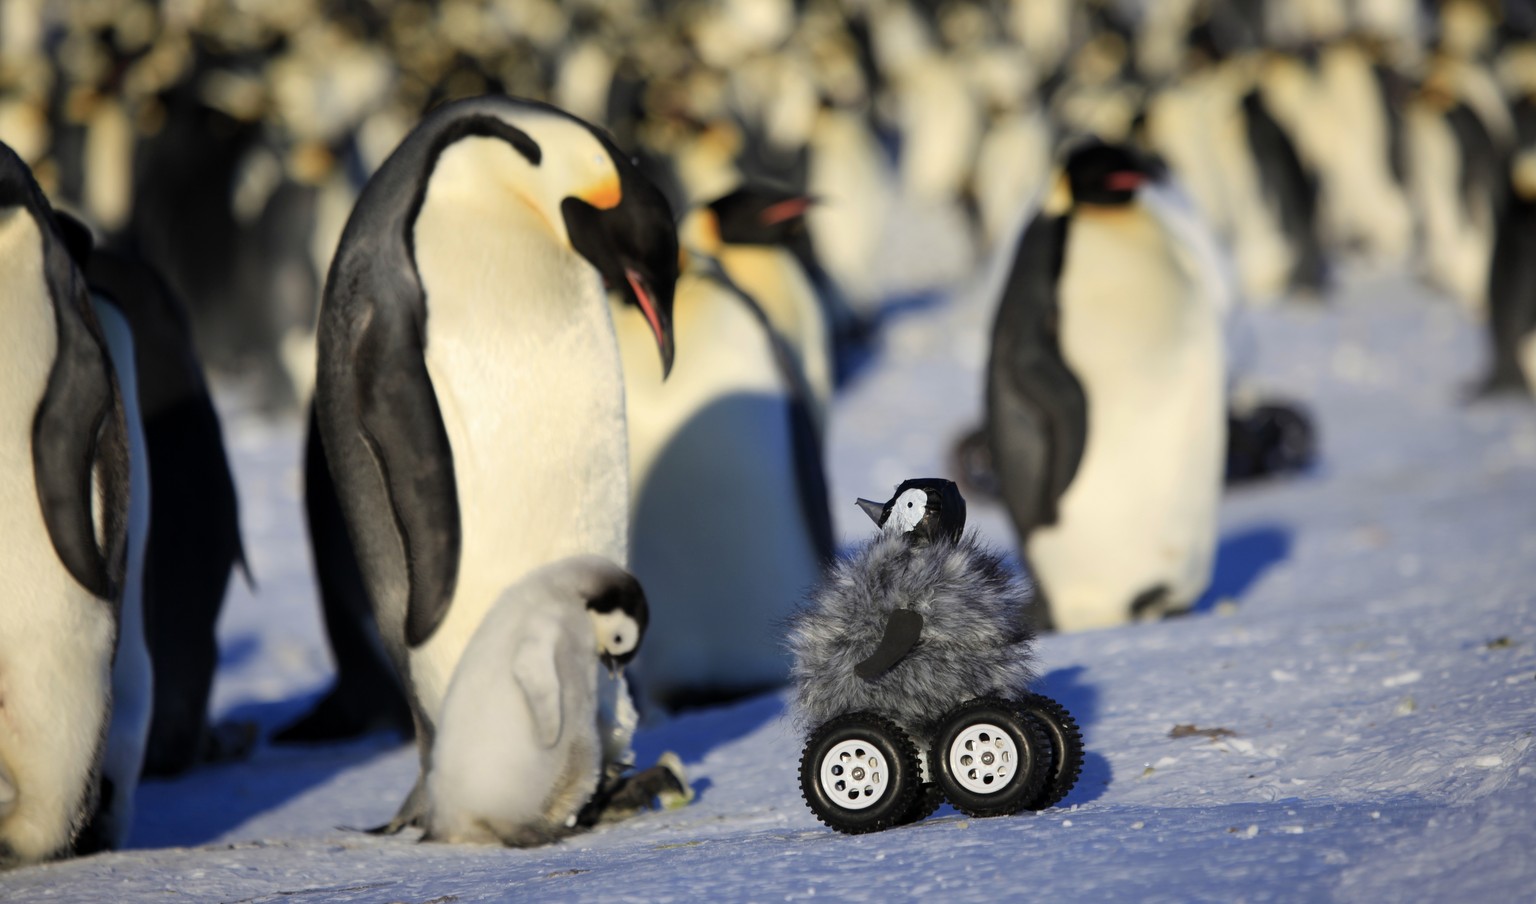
column 246, row 170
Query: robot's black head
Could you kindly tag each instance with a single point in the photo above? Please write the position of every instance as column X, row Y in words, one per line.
column 924, row 508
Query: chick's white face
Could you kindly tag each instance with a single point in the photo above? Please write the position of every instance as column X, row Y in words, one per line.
column 908, row 510
column 617, row 633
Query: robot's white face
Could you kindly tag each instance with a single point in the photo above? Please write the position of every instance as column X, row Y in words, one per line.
column 908, row 510
column 617, row 633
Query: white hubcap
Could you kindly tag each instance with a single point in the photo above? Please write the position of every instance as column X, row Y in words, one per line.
column 983, row 758
column 855, row 775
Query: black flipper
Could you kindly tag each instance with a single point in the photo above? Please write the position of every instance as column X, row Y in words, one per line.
column 1037, row 414
column 902, row 629
column 403, row 427
column 367, row 695
column 79, row 437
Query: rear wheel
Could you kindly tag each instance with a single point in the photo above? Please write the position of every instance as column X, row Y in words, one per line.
column 1065, row 762
column 859, row 773
column 988, row 757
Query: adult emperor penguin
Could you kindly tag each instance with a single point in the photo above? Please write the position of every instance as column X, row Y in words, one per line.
column 730, row 517
column 469, row 393
column 1512, row 281
column 538, row 714
column 1105, row 398
column 758, row 234
column 64, row 489
column 194, row 537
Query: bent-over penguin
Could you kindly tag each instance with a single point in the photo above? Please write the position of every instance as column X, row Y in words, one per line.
column 469, row 393
column 1105, row 398
column 64, row 489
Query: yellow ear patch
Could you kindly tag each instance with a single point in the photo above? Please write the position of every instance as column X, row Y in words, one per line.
column 1059, row 201
column 604, row 195
column 1524, row 175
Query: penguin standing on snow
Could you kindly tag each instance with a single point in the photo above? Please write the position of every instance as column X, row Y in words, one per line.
column 469, row 394
column 537, row 719
column 64, row 489
column 194, row 532
column 1512, row 283
column 730, row 517
column 1105, row 398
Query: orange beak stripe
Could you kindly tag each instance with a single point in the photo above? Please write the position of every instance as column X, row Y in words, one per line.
column 605, row 195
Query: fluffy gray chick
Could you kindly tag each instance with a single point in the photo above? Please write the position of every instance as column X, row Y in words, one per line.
column 963, row 633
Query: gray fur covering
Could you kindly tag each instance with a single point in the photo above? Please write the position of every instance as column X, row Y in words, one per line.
column 975, row 638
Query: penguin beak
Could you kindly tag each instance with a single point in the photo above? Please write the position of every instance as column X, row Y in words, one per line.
column 1124, row 180
column 659, row 317
column 789, row 209
column 611, row 664
column 871, row 508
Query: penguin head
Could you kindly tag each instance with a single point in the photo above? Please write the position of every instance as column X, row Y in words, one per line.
column 625, row 229
column 924, row 509
column 1106, row 174
column 760, row 214
column 619, row 614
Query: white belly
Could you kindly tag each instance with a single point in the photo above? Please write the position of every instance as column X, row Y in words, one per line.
column 55, row 637
column 1145, row 343
column 522, row 356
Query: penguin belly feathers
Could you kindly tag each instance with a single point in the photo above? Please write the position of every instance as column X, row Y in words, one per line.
column 63, row 487
column 524, row 740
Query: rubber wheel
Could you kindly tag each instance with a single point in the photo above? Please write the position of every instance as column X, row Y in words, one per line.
column 859, row 773
column 924, row 803
column 987, row 758
column 1066, row 743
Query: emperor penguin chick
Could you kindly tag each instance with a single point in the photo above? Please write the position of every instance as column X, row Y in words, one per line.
column 538, row 710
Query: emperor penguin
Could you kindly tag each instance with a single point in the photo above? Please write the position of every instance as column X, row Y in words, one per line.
column 64, row 489
column 1105, row 397
column 538, row 714
column 469, row 394
column 758, row 235
column 1512, row 282
column 194, row 540
column 730, row 519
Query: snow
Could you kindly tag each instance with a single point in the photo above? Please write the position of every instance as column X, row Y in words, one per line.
column 1349, row 714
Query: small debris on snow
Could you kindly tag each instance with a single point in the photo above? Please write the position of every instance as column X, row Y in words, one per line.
column 1066, row 823
column 1500, row 643
column 1249, row 832
column 1188, row 731
column 1406, row 706
column 1138, row 824
column 1282, row 676
column 1292, row 830
column 1400, row 680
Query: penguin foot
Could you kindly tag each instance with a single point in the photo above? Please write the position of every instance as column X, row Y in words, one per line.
column 229, row 741
column 1274, row 438
column 1497, row 385
column 663, row 786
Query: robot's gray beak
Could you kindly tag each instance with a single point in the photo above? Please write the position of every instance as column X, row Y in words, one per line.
column 873, row 509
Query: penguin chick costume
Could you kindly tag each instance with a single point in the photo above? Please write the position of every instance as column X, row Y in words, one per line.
column 970, row 637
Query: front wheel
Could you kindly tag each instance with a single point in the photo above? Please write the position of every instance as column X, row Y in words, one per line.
column 859, row 773
column 988, row 757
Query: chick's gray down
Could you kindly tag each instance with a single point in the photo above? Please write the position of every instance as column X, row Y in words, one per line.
column 975, row 639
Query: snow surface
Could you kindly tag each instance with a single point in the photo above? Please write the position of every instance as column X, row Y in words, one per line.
column 1358, row 687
